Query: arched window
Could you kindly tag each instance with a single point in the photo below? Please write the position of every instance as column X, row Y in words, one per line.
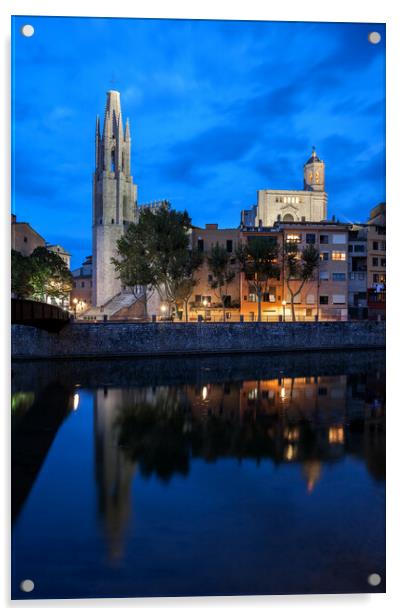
column 113, row 161
column 288, row 218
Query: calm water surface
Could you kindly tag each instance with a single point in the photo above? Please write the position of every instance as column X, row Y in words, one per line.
column 202, row 476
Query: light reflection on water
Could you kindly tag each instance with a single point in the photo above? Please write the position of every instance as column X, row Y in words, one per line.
column 202, row 484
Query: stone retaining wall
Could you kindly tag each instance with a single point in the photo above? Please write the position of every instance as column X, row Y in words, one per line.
column 138, row 339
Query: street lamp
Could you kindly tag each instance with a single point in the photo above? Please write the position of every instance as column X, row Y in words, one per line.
column 283, row 309
column 75, row 302
column 205, row 304
column 163, row 309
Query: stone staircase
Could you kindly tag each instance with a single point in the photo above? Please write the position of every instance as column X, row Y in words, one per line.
column 122, row 305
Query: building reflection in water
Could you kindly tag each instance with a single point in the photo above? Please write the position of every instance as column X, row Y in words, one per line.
column 310, row 421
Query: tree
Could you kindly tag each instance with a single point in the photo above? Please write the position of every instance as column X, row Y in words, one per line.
column 40, row 276
column 259, row 261
column 156, row 252
column 50, row 277
column 222, row 273
column 300, row 267
column 133, row 265
column 20, row 275
column 186, row 282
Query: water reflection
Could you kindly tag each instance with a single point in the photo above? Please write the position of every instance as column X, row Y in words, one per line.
column 309, row 423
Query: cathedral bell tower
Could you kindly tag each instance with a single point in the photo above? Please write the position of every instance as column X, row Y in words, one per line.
column 314, row 173
column 114, row 203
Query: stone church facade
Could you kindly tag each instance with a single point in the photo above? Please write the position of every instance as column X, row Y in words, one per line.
column 114, row 198
column 307, row 205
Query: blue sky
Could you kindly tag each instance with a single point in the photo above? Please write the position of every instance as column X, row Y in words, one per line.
column 218, row 110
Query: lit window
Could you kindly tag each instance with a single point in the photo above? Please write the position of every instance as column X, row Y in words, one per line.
column 338, row 256
column 324, row 256
column 293, row 238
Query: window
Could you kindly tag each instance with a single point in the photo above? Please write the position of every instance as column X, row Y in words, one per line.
column 375, row 245
column 198, row 299
column 210, row 277
column 375, row 261
column 339, row 238
column 200, row 245
column 310, row 299
column 382, row 244
column 338, row 276
column 293, row 238
column 338, row 299
column 324, row 276
column 379, row 278
column 309, row 312
column 360, row 247
column 310, row 238
column 112, row 221
column 323, row 300
column 322, row 391
column 252, row 297
column 338, row 256
column 383, row 262
column 229, row 245
column 227, row 301
column 206, row 298
column 74, row 284
column 361, row 275
column 350, row 247
column 25, row 240
column 324, row 239
column 82, row 284
column 324, row 256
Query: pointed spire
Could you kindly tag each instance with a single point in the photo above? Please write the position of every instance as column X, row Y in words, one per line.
column 97, row 142
column 127, row 136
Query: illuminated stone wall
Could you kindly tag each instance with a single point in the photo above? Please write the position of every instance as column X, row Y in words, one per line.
column 129, row 339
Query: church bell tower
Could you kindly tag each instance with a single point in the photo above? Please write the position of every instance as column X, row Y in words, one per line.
column 314, row 173
column 114, row 203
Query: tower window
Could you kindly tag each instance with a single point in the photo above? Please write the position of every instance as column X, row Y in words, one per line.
column 113, row 161
column 100, row 221
column 112, row 221
column 200, row 245
column 229, row 245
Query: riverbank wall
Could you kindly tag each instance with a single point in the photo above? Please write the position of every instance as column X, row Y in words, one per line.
column 108, row 339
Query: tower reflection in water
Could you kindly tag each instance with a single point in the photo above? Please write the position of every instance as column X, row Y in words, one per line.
column 310, row 421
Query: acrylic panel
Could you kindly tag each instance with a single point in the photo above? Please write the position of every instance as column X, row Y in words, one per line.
column 198, row 307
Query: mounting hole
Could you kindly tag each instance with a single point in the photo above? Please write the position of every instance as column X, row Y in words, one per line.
column 374, row 579
column 374, row 38
column 27, row 30
column 27, row 585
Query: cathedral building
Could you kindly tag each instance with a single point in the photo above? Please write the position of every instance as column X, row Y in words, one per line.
column 307, row 205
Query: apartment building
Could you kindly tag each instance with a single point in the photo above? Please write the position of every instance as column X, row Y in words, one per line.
column 357, row 271
column 205, row 301
column 376, row 262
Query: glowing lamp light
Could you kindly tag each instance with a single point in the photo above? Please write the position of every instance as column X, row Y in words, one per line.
column 205, row 302
column 76, row 401
column 284, row 302
column 204, row 393
column 75, row 301
column 163, row 308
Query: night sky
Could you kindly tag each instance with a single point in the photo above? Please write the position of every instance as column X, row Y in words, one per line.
column 218, row 110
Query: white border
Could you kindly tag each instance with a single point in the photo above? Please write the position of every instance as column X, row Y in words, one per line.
column 290, row 10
